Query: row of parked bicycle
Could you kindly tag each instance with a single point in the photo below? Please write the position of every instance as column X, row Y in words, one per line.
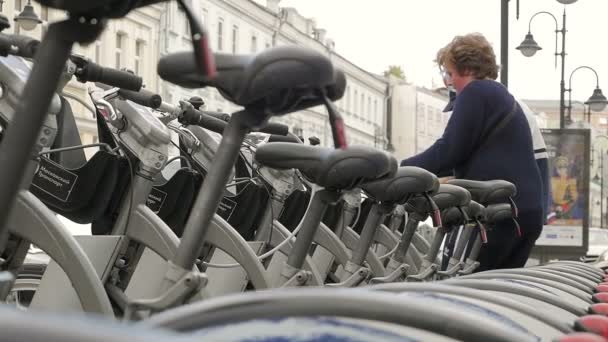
column 256, row 236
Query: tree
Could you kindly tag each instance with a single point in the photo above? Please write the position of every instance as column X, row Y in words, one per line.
column 396, row 71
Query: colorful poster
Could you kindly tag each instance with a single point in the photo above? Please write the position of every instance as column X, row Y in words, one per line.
column 568, row 201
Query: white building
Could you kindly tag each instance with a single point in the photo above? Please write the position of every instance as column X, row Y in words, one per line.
column 417, row 117
column 246, row 27
column 131, row 42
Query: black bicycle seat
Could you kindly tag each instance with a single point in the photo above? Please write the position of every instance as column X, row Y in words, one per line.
column 451, row 196
column 452, row 217
column 276, row 79
column 498, row 212
column 408, row 181
column 487, row 192
column 475, row 211
column 335, row 169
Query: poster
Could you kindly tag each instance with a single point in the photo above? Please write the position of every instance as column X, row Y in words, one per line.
column 568, row 201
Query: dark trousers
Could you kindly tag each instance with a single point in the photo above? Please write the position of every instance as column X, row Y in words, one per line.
column 505, row 249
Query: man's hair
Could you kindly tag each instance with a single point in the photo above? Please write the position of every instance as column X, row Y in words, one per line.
column 472, row 53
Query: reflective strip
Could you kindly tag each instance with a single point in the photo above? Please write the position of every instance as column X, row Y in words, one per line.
column 541, row 153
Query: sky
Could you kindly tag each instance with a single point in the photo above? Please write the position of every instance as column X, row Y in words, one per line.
column 378, row 33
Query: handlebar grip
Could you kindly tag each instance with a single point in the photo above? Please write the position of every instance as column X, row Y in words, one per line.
column 274, row 128
column 179, row 68
column 27, row 46
column 218, row 115
column 143, row 97
column 192, row 116
column 93, row 72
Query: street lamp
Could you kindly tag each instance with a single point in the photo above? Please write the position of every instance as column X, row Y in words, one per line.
column 566, row 2
column 599, row 177
column 597, row 102
column 28, row 19
column 529, row 47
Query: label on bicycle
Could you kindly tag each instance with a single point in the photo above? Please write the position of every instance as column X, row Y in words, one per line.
column 155, row 200
column 226, row 208
column 54, row 179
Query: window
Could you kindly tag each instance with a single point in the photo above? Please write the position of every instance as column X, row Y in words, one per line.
column 362, row 106
column 205, row 15
column 420, row 118
column 139, row 57
column 355, row 105
column 220, row 34
column 347, row 97
column 369, row 113
column 18, row 9
column 254, row 43
column 98, row 52
column 119, row 44
column 376, row 110
column 267, row 45
column 235, row 38
column 187, row 32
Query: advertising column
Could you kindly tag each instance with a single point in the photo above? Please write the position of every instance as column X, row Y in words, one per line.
column 566, row 228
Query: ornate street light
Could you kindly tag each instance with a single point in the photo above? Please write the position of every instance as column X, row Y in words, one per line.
column 529, row 47
column 597, row 102
column 28, row 19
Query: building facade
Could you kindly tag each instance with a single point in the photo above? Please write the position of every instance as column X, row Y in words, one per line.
column 246, row 27
column 417, row 118
column 235, row 27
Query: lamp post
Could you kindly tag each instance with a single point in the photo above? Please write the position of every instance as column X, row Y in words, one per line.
column 601, row 180
column 599, row 176
column 596, row 102
column 28, row 19
column 529, row 47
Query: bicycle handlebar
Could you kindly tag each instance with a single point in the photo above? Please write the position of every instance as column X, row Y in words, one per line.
column 192, row 116
column 143, row 97
column 89, row 71
column 212, row 122
column 269, row 128
column 26, row 46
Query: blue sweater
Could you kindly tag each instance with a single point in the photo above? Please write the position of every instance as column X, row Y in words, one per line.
column 510, row 156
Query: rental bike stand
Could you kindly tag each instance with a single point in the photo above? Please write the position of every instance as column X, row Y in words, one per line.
column 229, row 248
column 576, row 297
column 548, row 317
column 350, row 238
column 524, row 293
column 407, row 314
column 419, row 205
column 278, row 155
column 238, row 85
column 331, row 248
column 30, row 221
column 332, row 254
column 450, row 200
